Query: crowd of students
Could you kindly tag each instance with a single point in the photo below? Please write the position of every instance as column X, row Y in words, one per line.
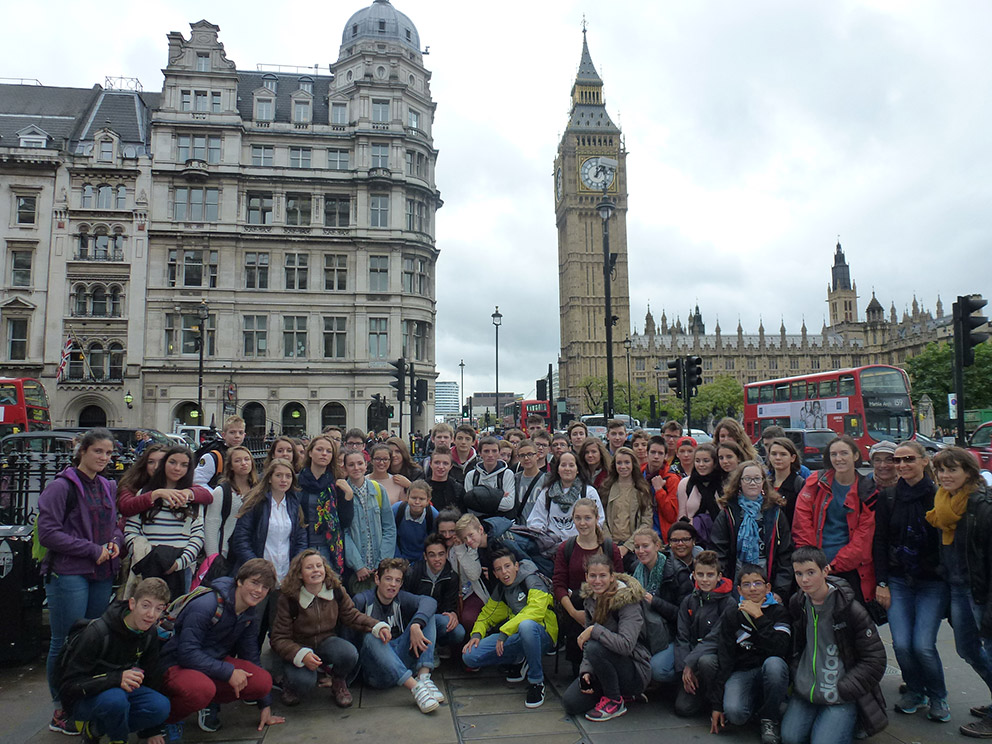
column 737, row 584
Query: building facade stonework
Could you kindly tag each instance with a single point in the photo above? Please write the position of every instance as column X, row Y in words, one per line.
column 295, row 206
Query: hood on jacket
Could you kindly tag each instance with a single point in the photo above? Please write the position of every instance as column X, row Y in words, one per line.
column 629, row 591
column 723, row 586
column 845, row 594
column 456, row 463
column 500, row 467
column 527, row 570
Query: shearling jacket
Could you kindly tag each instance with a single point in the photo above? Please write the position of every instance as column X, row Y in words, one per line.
column 622, row 632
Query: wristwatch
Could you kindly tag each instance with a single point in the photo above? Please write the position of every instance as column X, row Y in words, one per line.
column 883, row 584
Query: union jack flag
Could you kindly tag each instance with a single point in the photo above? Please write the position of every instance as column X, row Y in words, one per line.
column 64, row 361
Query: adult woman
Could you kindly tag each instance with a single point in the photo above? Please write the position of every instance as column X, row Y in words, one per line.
column 282, row 448
column 238, row 479
column 963, row 514
column 784, row 462
column 77, row 523
column 372, row 534
column 570, row 561
column 752, row 528
column 699, row 492
column 552, row 514
column 138, row 475
column 910, row 581
column 615, row 664
column 164, row 541
column 835, row 511
column 730, row 430
column 401, row 463
column 594, row 462
column 684, row 453
column 394, row 485
column 312, row 602
column 326, row 499
column 628, row 500
column 270, row 522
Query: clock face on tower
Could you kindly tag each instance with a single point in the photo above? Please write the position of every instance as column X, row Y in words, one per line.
column 593, row 176
column 559, row 184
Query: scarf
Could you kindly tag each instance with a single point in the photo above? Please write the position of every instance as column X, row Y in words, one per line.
column 748, row 534
column 651, row 581
column 948, row 508
column 564, row 499
column 325, row 493
column 709, row 487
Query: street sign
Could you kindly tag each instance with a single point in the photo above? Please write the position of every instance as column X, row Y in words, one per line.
column 952, row 405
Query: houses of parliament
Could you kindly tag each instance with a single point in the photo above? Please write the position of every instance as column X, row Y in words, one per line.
column 846, row 341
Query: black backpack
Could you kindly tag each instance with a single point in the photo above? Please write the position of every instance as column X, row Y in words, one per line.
column 216, row 447
column 71, row 646
column 428, row 517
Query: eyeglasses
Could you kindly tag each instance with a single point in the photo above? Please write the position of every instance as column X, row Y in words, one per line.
column 680, row 540
column 382, row 459
column 526, row 454
column 752, row 585
column 752, row 479
column 905, row 458
column 541, row 446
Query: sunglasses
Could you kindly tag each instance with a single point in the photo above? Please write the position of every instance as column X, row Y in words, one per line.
column 905, row 458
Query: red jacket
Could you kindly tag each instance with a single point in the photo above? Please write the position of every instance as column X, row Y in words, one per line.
column 666, row 498
column 811, row 511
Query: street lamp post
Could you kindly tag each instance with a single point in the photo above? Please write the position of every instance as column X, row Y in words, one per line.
column 605, row 208
column 203, row 312
column 497, row 321
column 461, row 390
column 630, row 402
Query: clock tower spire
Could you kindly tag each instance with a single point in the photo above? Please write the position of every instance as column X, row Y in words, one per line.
column 578, row 183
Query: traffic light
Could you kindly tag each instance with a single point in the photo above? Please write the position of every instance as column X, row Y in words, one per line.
column 421, row 392
column 542, row 389
column 399, row 373
column 963, row 316
column 675, row 376
column 465, row 411
column 389, row 411
column 693, row 374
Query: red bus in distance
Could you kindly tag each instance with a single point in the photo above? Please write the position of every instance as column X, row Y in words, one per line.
column 23, row 406
column 515, row 414
column 870, row 403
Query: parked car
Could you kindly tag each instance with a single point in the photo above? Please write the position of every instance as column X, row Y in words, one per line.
column 124, row 436
column 811, row 444
column 932, row 446
column 980, row 445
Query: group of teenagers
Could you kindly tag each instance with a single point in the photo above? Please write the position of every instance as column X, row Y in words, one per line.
column 740, row 584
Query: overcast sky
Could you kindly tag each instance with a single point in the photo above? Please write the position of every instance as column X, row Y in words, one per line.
column 757, row 132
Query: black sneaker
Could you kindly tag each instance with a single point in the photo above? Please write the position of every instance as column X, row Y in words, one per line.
column 208, row 719
column 770, row 732
column 980, row 711
column 517, row 672
column 535, row 695
column 981, row 729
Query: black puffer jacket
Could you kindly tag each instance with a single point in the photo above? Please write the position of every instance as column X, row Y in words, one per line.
column 860, row 649
column 979, row 551
column 776, row 536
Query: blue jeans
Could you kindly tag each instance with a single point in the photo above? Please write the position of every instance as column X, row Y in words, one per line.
column 335, row 653
column 966, row 616
column 390, row 664
column 115, row 713
column 71, row 598
column 918, row 607
column 768, row 684
column 445, row 637
column 530, row 643
column 663, row 665
column 807, row 723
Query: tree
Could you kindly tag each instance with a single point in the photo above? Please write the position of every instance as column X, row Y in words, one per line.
column 722, row 397
column 931, row 372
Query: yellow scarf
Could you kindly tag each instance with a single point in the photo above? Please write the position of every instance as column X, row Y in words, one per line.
column 947, row 510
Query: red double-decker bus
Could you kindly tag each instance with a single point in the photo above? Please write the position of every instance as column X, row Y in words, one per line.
column 515, row 414
column 23, row 406
column 870, row 403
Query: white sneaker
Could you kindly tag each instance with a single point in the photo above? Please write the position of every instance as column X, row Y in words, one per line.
column 425, row 679
column 425, row 700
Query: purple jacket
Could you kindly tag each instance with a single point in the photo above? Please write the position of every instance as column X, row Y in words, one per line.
column 72, row 546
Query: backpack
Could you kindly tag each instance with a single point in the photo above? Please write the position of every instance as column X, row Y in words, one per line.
column 167, row 624
column 428, row 520
column 217, row 447
column 39, row 551
column 485, row 499
column 607, row 548
column 71, row 646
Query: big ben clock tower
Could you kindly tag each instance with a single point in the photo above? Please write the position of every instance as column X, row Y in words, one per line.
column 578, row 185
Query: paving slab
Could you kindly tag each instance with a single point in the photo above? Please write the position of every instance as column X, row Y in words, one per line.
column 367, row 725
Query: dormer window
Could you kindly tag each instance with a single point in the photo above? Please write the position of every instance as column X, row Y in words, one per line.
column 354, row 31
column 33, row 141
column 306, row 85
column 203, row 62
column 269, row 81
column 106, row 151
column 264, row 109
column 382, row 27
column 301, row 112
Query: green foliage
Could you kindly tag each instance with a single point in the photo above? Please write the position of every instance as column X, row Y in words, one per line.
column 722, row 397
column 931, row 372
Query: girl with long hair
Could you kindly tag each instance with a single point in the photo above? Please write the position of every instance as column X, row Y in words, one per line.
column 629, row 501
column 372, row 534
column 138, row 475
column 552, row 514
column 134, row 495
column 77, row 523
column 784, row 462
column 616, row 664
column 281, row 448
column 699, row 493
column 326, row 499
column 730, row 430
column 911, row 583
column 594, row 462
column 239, row 477
column 165, row 531
column 312, row 605
column 569, row 572
column 752, row 528
column 401, row 462
column 394, row 485
column 728, row 455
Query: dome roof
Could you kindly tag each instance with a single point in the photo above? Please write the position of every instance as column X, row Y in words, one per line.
column 381, row 21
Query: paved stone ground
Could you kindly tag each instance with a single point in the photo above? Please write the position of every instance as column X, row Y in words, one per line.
column 481, row 708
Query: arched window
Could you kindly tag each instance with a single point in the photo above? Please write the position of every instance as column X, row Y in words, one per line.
column 87, row 202
column 104, row 197
column 116, row 359
column 85, row 239
column 254, row 416
column 115, row 302
column 99, row 302
column 79, row 301
column 333, row 414
column 96, row 360
column 187, row 413
column 121, row 197
column 294, row 420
